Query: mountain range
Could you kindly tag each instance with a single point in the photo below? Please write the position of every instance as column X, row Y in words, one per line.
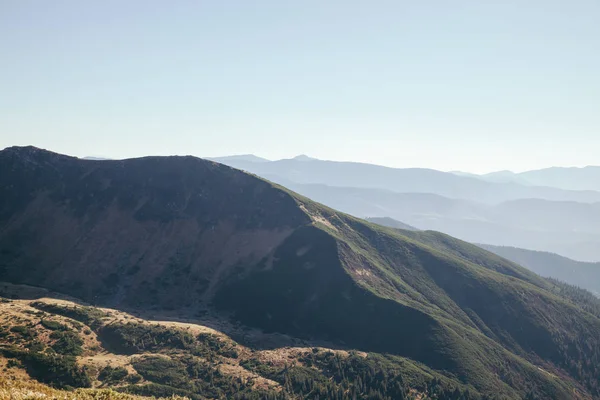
column 582, row 274
column 503, row 214
column 196, row 236
column 573, row 178
column 306, row 170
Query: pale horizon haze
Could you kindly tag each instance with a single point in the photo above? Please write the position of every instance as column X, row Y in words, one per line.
column 467, row 85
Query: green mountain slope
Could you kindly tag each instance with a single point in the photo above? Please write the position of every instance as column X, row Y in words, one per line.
column 189, row 234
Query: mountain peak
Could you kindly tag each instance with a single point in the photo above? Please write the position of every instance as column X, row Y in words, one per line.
column 303, row 157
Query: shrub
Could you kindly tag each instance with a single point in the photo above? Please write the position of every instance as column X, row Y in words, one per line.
column 35, row 345
column 67, row 343
column 162, row 370
column 133, row 378
column 57, row 370
column 113, row 375
column 53, row 325
column 22, row 330
column 87, row 315
column 134, row 338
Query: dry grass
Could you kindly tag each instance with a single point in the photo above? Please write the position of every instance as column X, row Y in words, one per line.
column 16, row 384
column 20, row 389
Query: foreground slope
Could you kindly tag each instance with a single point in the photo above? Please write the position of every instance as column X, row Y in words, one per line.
column 192, row 235
column 109, row 354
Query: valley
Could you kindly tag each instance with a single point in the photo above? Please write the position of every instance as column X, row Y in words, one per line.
column 274, row 275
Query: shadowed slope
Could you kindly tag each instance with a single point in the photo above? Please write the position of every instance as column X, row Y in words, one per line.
column 180, row 232
column 136, row 231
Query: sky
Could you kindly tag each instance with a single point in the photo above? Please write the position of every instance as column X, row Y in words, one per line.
column 465, row 85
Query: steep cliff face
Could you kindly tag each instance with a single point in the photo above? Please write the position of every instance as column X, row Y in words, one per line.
column 181, row 232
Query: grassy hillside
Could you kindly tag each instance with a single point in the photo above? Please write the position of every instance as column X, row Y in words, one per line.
column 121, row 356
column 201, row 239
column 459, row 310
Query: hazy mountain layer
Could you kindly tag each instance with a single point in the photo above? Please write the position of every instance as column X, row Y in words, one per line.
column 180, row 233
column 582, row 274
column 304, row 170
column 568, row 228
column 586, row 178
column 392, row 223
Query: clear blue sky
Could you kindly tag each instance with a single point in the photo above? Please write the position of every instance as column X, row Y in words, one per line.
column 471, row 85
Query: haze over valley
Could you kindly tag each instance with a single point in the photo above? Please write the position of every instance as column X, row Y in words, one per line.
column 471, row 208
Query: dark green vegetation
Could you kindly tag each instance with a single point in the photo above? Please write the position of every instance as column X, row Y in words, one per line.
column 324, row 374
column 183, row 233
column 112, row 375
column 133, row 338
column 190, row 377
column 52, row 361
column 87, row 315
column 583, row 298
column 56, row 369
column 53, row 325
column 68, row 343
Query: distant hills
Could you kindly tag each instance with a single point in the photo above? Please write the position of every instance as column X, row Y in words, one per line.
column 408, row 180
column 569, row 228
column 582, row 274
column 186, row 234
column 238, row 158
column 586, row 178
column 391, row 223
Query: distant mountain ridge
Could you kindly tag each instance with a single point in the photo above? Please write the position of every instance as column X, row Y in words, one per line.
column 182, row 233
column 501, row 213
column 407, row 180
column 240, row 157
column 567, row 228
column 541, row 218
column 391, row 223
column 582, row 274
column 568, row 178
